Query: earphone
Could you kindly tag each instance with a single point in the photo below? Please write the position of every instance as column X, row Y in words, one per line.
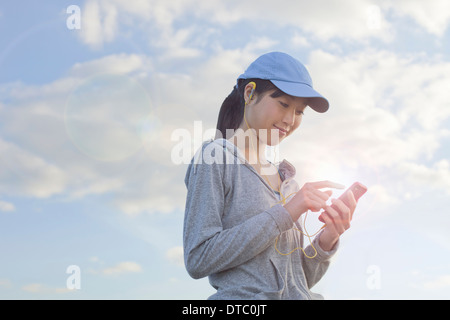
column 251, row 92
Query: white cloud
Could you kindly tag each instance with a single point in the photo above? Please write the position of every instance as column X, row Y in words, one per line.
column 433, row 16
column 41, row 159
column 5, row 283
column 39, row 288
column 387, row 96
column 7, row 206
column 120, row 64
column 175, row 255
column 122, row 268
column 94, row 259
column 300, row 41
column 437, row 176
column 98, row 23
column 27, row 174
column 103, row 19
column 322, row 20
column 438, row 283
column 382, row 196
column 175, row 43
column 49, row 151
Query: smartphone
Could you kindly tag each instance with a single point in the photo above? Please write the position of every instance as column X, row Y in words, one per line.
column 358, row 190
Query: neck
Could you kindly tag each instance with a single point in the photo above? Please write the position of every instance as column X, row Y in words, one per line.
column 253, row 149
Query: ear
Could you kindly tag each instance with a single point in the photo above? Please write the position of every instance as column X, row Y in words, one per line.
column 249, row 92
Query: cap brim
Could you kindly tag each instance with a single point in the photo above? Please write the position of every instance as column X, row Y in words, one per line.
column 315, row 100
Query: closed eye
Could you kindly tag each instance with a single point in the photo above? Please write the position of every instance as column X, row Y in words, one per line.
column 285, row 105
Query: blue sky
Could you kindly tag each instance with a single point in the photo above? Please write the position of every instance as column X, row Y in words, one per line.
column 86, row 118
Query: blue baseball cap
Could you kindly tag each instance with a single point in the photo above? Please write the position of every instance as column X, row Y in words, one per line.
column 287, row 74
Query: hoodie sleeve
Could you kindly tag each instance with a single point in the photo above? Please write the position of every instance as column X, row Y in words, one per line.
column 208, row 247
column 316, row 267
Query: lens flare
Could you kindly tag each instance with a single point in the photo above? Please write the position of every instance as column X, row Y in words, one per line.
column 104, row 116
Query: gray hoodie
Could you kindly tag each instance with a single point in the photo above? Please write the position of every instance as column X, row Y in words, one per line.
column 232, row 219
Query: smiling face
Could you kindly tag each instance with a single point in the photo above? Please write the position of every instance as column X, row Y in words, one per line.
column 273, row 118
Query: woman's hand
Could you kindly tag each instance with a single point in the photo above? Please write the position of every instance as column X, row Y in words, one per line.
column 309, row 197
column 337, row 220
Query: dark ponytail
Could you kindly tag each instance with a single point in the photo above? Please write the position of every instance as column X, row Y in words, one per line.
column 231, row 112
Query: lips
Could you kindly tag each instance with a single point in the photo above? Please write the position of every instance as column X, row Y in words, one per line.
column 284, row 131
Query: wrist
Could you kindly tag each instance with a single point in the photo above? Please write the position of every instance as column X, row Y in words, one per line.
column 327, row 242
column 292, row 211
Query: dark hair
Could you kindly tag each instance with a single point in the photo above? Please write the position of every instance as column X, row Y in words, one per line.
column 231, row 112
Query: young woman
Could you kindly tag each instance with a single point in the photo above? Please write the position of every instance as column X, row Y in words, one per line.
column 242, row 224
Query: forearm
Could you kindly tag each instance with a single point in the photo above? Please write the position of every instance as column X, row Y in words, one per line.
column 316, row 267
column 223, row 249
column 327, row 242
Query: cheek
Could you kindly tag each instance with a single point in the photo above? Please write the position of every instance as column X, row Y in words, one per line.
column 266, row 116
column 273, row 116
column 296, row 124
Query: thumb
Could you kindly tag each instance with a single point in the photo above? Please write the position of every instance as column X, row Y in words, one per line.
column 329, row 193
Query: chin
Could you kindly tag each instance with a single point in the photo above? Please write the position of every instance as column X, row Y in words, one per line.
column 274, row 138
column 275, row 142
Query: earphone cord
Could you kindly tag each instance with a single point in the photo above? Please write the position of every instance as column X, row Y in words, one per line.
column 283, row 201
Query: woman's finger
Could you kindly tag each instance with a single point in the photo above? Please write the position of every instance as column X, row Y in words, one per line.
column 352, row 203
column 341, row 206
column 314, row 202
column 336, row 218
column 343, row 212
column 324, row 195
column 329, row 223
column 326, row 184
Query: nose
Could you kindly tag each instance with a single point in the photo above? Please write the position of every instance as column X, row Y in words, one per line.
column 289, row 117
